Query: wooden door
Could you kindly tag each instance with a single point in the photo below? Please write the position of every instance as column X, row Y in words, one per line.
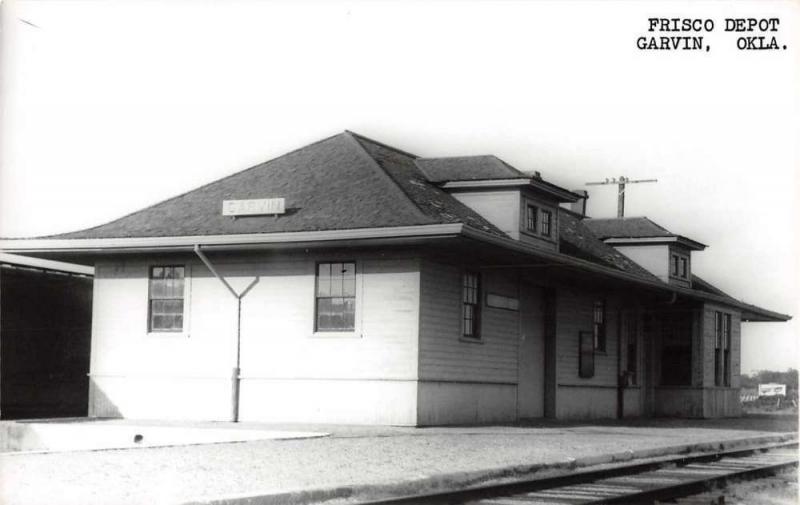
column 530, row 392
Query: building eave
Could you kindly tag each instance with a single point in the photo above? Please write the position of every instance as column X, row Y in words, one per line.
column 666, row 239
column 560, row 194
column 220, row 242
column 752, row 312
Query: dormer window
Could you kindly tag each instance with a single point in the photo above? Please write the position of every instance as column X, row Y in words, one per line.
column 547, row 219
column 531, row 218
column 679, row 266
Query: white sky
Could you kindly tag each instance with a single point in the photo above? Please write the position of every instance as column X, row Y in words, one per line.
column 108, row 107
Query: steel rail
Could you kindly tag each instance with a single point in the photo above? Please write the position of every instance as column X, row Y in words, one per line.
column 489, row 491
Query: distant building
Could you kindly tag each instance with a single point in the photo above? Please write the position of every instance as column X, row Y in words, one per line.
column 349, row 281
column 45, row 336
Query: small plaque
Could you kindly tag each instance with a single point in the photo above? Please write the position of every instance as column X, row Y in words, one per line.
column 257, row 207
column 502, row 302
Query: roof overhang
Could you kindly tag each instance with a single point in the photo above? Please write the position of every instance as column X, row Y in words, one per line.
column 667, row 239
column 75, row 249
column 560, row 194
column 92, row 247
column 44, row 265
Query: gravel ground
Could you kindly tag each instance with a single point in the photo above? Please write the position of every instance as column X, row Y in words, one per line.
column 350, row 456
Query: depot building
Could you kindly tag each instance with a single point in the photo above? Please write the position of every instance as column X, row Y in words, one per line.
column 352, row 282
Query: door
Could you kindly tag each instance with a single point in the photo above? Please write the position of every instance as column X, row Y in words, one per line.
column 530, row 392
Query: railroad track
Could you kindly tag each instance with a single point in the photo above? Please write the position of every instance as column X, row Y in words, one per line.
column 640, row 483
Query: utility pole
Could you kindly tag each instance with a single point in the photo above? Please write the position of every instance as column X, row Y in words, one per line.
column 621, row 182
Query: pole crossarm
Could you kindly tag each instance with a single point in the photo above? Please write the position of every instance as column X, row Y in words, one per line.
column 620, row 181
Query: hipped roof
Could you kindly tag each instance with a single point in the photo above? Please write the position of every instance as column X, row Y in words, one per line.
column 350, row 182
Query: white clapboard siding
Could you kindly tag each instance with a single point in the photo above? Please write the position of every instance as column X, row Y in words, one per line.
column 444, row 355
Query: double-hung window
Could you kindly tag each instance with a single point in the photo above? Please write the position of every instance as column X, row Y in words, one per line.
column 165, row 299
column 336, row 297
column 722, row 349
column 547, row 223
column 531, row 218
column 471, row 305
column 599, row 325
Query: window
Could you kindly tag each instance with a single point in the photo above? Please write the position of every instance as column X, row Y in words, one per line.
column 599, row 332
column 674, row 265
column 336, row 297
column 633, row 350
column 531, row 217
column 684, row 268
column 547, row 218
column 471, row 305
column 726, row 350
column 722, row 349
column 165, row 299
column 585, row 355
column 675, row 329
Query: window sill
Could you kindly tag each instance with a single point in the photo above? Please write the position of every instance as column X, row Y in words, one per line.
column 471, row 340
column 169, row 334
column 336, row 335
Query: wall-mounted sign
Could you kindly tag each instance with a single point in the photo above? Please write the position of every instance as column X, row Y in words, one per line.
column 258, row 207
column 502, row 302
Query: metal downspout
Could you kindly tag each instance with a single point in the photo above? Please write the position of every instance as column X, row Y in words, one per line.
column 235, row 372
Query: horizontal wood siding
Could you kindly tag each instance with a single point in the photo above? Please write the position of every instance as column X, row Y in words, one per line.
column 278, row 341
column 574, row 314
column 444, row 355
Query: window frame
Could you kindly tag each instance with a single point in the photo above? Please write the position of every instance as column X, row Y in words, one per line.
column 586, row 352
column 599, row 327
column 722, row 348
column 726, row 349
column 150, row 299
column 632, row 349
column 546, row 225
column 531, row 211
column 315, row 323
column 476, row 306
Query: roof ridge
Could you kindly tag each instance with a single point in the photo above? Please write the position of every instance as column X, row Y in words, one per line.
column 215, row 181
column 378, row 142
column 372, row 161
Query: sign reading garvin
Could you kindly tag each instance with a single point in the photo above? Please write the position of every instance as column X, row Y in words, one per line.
column 257, row 207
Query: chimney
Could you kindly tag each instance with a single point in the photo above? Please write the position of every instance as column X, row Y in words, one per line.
column 579, row 207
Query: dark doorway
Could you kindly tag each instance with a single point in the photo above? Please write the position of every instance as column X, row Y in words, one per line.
column 45, row 339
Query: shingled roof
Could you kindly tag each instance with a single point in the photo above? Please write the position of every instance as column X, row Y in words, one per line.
column 627, row 227
column 579, row 240
column 342, row 182
column 350, row 182
column 468, row 168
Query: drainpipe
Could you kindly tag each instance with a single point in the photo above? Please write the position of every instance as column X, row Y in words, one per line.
column 235, row 372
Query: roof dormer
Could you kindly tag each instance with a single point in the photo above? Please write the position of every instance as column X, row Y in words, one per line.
column 522, row 205
column 665, row 254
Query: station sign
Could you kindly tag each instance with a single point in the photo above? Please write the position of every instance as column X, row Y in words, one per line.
column 255, row 207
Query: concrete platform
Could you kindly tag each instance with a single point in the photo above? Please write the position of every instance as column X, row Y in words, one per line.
column 78, row 434
column 359, row 462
